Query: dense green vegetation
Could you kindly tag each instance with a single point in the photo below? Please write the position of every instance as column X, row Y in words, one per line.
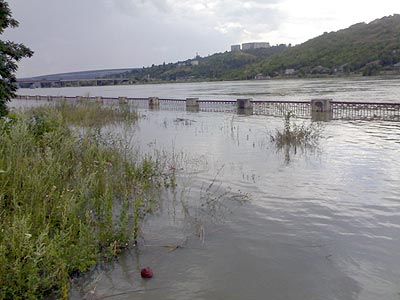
column 364, row 48
column 217, row 66
column 70, row 196
column 367, row 49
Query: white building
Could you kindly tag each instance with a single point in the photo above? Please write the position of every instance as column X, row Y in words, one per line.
column 290, row 72
column 249, row 46
column 235, row 48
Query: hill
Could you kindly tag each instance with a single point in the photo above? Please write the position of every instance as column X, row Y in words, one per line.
column 218, row 66
column 367, row 49
column 363, row 48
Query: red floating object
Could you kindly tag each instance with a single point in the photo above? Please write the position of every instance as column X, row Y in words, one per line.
column 146, row 272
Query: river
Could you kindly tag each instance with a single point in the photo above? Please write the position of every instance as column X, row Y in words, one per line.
column 339, row 89
column 250, row 221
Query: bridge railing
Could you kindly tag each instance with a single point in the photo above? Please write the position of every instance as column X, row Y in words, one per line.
column 325, row 108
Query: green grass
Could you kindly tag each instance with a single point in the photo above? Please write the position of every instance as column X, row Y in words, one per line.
column 67, row 199
column 89, row 113
column 294, row 136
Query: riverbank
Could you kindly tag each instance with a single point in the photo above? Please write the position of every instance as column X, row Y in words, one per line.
column 34, row 84
column 71, row 196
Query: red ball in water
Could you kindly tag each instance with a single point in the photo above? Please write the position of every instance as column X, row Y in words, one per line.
column 146, row 272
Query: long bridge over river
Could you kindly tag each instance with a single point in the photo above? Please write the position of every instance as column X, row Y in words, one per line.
column 317, row 109
column 43, row 83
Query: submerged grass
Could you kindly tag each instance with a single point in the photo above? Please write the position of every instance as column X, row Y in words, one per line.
column 294, row 136
column 68, row 198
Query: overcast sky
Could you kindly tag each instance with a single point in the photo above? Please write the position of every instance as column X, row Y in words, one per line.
column 74, row 35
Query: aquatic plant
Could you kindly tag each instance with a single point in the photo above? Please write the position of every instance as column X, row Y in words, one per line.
column 294, row 136
column 68, row 198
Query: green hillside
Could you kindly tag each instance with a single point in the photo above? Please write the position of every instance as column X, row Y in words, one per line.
column 367, row 49
column 218, row 66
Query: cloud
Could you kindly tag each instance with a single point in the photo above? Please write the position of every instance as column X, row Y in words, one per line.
column 74, row 35
column 137, row 7
column 91, row 34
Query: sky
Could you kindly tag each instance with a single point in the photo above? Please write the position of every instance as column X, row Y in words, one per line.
column 78, row 35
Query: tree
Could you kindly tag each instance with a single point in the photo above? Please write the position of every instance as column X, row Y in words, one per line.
column 10, row 54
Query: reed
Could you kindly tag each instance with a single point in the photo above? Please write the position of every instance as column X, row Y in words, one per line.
column 296, row 136
column 69, row 197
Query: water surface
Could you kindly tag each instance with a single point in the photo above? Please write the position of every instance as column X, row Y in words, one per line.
column 254, row 222
column 339, row 89
column 316, row 224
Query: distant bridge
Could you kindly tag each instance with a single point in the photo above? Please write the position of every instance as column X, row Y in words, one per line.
column 317, row 109
column 43, row 83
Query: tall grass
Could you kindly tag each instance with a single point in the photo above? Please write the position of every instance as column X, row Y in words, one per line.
column 89, row 113
column 67, row 200
column 294, row 136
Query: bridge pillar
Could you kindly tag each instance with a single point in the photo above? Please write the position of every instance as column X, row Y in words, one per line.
column 244, row 106
column 154, row 102
column 321, row 109
column 192, row 104
column 99, row 100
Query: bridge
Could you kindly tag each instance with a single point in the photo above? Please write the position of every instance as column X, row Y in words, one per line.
column 43, row 83
column 317, row 109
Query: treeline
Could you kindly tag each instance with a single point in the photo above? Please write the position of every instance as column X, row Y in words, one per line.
column 367, row 49
column 219, row 66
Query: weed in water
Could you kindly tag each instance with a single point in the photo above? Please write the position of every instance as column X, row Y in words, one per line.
column 294, row 136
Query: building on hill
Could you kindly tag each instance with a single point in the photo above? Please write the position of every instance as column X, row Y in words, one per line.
column 249, row 46
column 235, row 48
column 320, row 70
column 290, row 72
column 261, row 76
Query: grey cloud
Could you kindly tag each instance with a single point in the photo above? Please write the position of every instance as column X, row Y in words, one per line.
column 138, row 7
column 77, row 35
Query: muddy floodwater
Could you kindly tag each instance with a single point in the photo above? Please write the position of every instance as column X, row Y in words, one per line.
column 339, row 89
column 250, row 221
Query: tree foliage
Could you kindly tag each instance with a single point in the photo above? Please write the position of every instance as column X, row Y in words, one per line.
column 219, row 66
column 10, row 54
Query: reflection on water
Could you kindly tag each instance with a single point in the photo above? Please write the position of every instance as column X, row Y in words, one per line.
column 324, row 226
